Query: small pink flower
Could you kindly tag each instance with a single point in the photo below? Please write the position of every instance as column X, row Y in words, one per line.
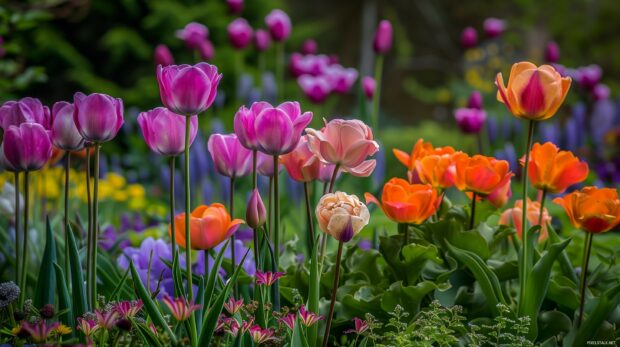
column 470, row 120
column 106, row 319
column 233, row 328
column 193, row 34
column 279, row 25
column 128, row 309
column 361, row 326
column 153, row 329
column 383, row 37
column 308, row 318
column 233, row 306
column 368, row 85
column 316, row 89
column 346, row 143
column 469, row 37
column 494, row 27
column 246, row 325
column 180, row 308
column 289, row 321
column 87, row 326
column 240, row 33
column 341, row 78
column 262, row 40
column 163, row 56
column 309, row 47
column 260, row 335
column 39, row 332
column 267, row 278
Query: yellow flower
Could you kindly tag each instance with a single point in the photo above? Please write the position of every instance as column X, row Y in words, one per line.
column 62, row 330
column 115, row 180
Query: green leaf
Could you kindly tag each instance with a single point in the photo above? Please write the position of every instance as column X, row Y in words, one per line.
column 408, row 261
column 146, row 334
column 565, row 264
column 78, row 292
column 210, row 320
column 409, row 297
column 200, row 297
column 563, row 292
column 298, row 339
column 64, row 299
column 46, row 281
column 553, row 323
column 149, row 304
column 603, row 306
column 314, row 292
column 120, row 285
column 210, row 285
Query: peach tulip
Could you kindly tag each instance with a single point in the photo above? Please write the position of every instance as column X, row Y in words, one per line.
column 301, row 164
column 409, row 203
column 533, row 93
column 595, row 210
column 512, row 216
column 341, row 215
column 209, row 226
column 553, row 170
column 420, row 150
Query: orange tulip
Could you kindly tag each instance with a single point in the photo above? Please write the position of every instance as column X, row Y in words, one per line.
column 420, row 150
column 209, row 226
column 595, row 210
column 554, row 170
column 533, row 93
column 512, row 216
column 403, row 202
column 438, row 170
column 483, row 175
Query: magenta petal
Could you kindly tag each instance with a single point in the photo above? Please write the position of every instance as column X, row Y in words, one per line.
column 96, row 117
column 244, row 128
column 27, row 147
column 190, row 90
column 274, row 130
column 64, row 133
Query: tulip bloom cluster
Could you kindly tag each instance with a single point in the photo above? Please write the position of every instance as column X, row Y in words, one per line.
column 319, row 76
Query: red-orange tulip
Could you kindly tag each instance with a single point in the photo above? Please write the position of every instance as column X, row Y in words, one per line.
column 438, row 170
column 483, row 175
column 533, row 93
column 419, row 151
column 595, row 210
column 209, row 226
column 403, row 202
column 554, row 170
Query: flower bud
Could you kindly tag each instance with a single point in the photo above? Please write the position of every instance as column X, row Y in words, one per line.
column 469, row 37
column 475, row 100
column 163, row 56
column 552, row 52
column 255, row 215
column 383, row 37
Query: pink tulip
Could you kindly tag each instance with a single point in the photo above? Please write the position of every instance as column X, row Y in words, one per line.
column 469, row 38
column 279, row 25
column 240, row 33
column 193, row 35
column 164, row 131
column 310, row 64
column 65, row 134
column 230, row 157
column 262, row 40
column 235, row 6
column 264, row 165
column 475, row 100
column 206, row 50
column 309, row 47
column 271, row 130
column 368, row 85
column 256, row 214
column 301, row 164
column 346, row 143
column 4, row 163
column 163, row 56
column 552, row 52
column 98, row 117
column 383, row 37
column 187, row 89
column 26, row 110
column 470, row 120
column 27, row 147
column 341, row 79
column 502, row 193
column 316, row 89
column 494, row 27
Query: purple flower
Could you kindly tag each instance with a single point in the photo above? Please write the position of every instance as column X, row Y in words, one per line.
column 470, row 120
column 27, row 147
column 310, row 64
column 600, row 92
column 230, row 157
column 267, row 278
column 26, row 110
column 187, row 89
column 316, row 89
column 193, row 35
column 309, row 47
column 240, row 33
column 475, row 100
column 552, row 52
column 235, row 6
column 342, row 79
column 164, row 131
column 163, row 56
column 98, row 117
column 206, row 50
column 262, row 40
column 469, row 37
column 65, row 134
column 494, row 27
column 368, row 86
column 383, row 37
column 279, row 25
column 589, row 76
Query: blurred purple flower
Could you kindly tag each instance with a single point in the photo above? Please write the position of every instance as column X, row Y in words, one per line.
column 368, row 86
column 552, row 52
column 509, row 154
column 589, row 76
column 600, row 92
column 316, row 89
column 262, row 40
column 194, row 34
column 163, row 56
column 602, row 121
column 549, row 132
column 469, row 37
column 240, row 33
column 279, row 25
column 382, row 41
column 470, row 120
column 494, row 27
column 235, row 6
column 341, row 79
column 309, row 47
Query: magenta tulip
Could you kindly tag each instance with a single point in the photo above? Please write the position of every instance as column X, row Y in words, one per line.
column 552, row 52
column 164, row 131
column 262, row 40
column 494, row 27
column 235, row 6
column 383, row 37
column 98, row 117
column 25, row 110
column 65, row 134
column 27, row 147
column 240, row 33
column 368, row 86
column 341, row 79
column 470, row 120
column 279, row 25
column 469, row 38
column 600, row 92
column 310, row 64
column 193, row 35
column 309, row 47
column 188, row 90
column 475, row 100
column 163, row 56
column 230, row 157
column 244, row 124
column 264, row 165
column 206, row 50
column 256, row 214
column 4, row 163
column 316, row 89
column 589, row 76
column 278, row 129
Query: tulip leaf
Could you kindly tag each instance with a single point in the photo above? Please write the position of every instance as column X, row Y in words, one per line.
column 489, row 283
column 46, row 281
column 314, row 291
column 78, row 292
column 210, row 285
column 149, row 304
column 146, row 334
column 409, row 297
column 553, row 323
column 121, row 285
column 108, row 273
column 64, row 299
column 408, row 261
column 298, row 339
column 177, row 278
column 565, row 264
column 200, row 298
column 210, row 320
column 563, row 292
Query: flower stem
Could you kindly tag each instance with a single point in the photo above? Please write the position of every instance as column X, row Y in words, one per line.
column 403, row 229
column 542, row 208
column 193, row 336
column 584, row 273
column 280, row 70
column 309, row 216
column 231, row 201
column 525, row 263
column 22, row 280
column 254, row 163
column 254, row 184
column 332, row 181
column 276, row 212
column 172, row 208
column 89, row 236
column 472, row 217
column 333, row 299
column 17, row 243
column 66, row 217
column 376, row 98
column 95, row 228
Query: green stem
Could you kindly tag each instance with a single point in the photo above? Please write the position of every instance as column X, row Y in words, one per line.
column 276, row 211
column 525, row 263
column 17, row 243
column 95, row 230
column 309, row 217
column 376, row 98
column 89, row 236
column 66, row 220
column 270, row 203
column 172, row 199
column 231, row 201
column 332, row 181
column 542, row 208
column 280, row 70
column 472, row 217
column 193, row 335
column 479, row 141
column 333, row 299
column 255, row 231
column 22, row 281
column 584, row 273
column 403, row 229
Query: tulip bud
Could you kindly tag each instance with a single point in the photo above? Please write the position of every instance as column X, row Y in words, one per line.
column 255, row 215
column 193, row 35
column 309, row 47
column 552, row 52
column 469, row 38
column 262, row 40
column 383, row 37
column 494, row 27
column 239, row 33
column 475, row 100
column 279, row 25
column 368, row 85
column 98, row 117
column 163, row 56
column 206, row 50
column 235, row 6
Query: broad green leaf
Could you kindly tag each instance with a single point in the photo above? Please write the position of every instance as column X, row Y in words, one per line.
column 553, row 323
column 408, row 261
column 409, row 297
column 563, row 292
column 46, row 281
column 64, row 299
column 298, row 339
column 78, row 292
column 210, row 285
column 603, row 306
column 314, row 291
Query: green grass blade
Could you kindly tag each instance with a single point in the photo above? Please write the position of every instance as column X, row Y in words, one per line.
column 46, row 281
column 64, row 299
column 78, row 292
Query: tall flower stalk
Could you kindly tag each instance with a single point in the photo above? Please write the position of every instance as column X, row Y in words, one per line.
column 382, row 43
column 24, row 264
column 17, row 243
